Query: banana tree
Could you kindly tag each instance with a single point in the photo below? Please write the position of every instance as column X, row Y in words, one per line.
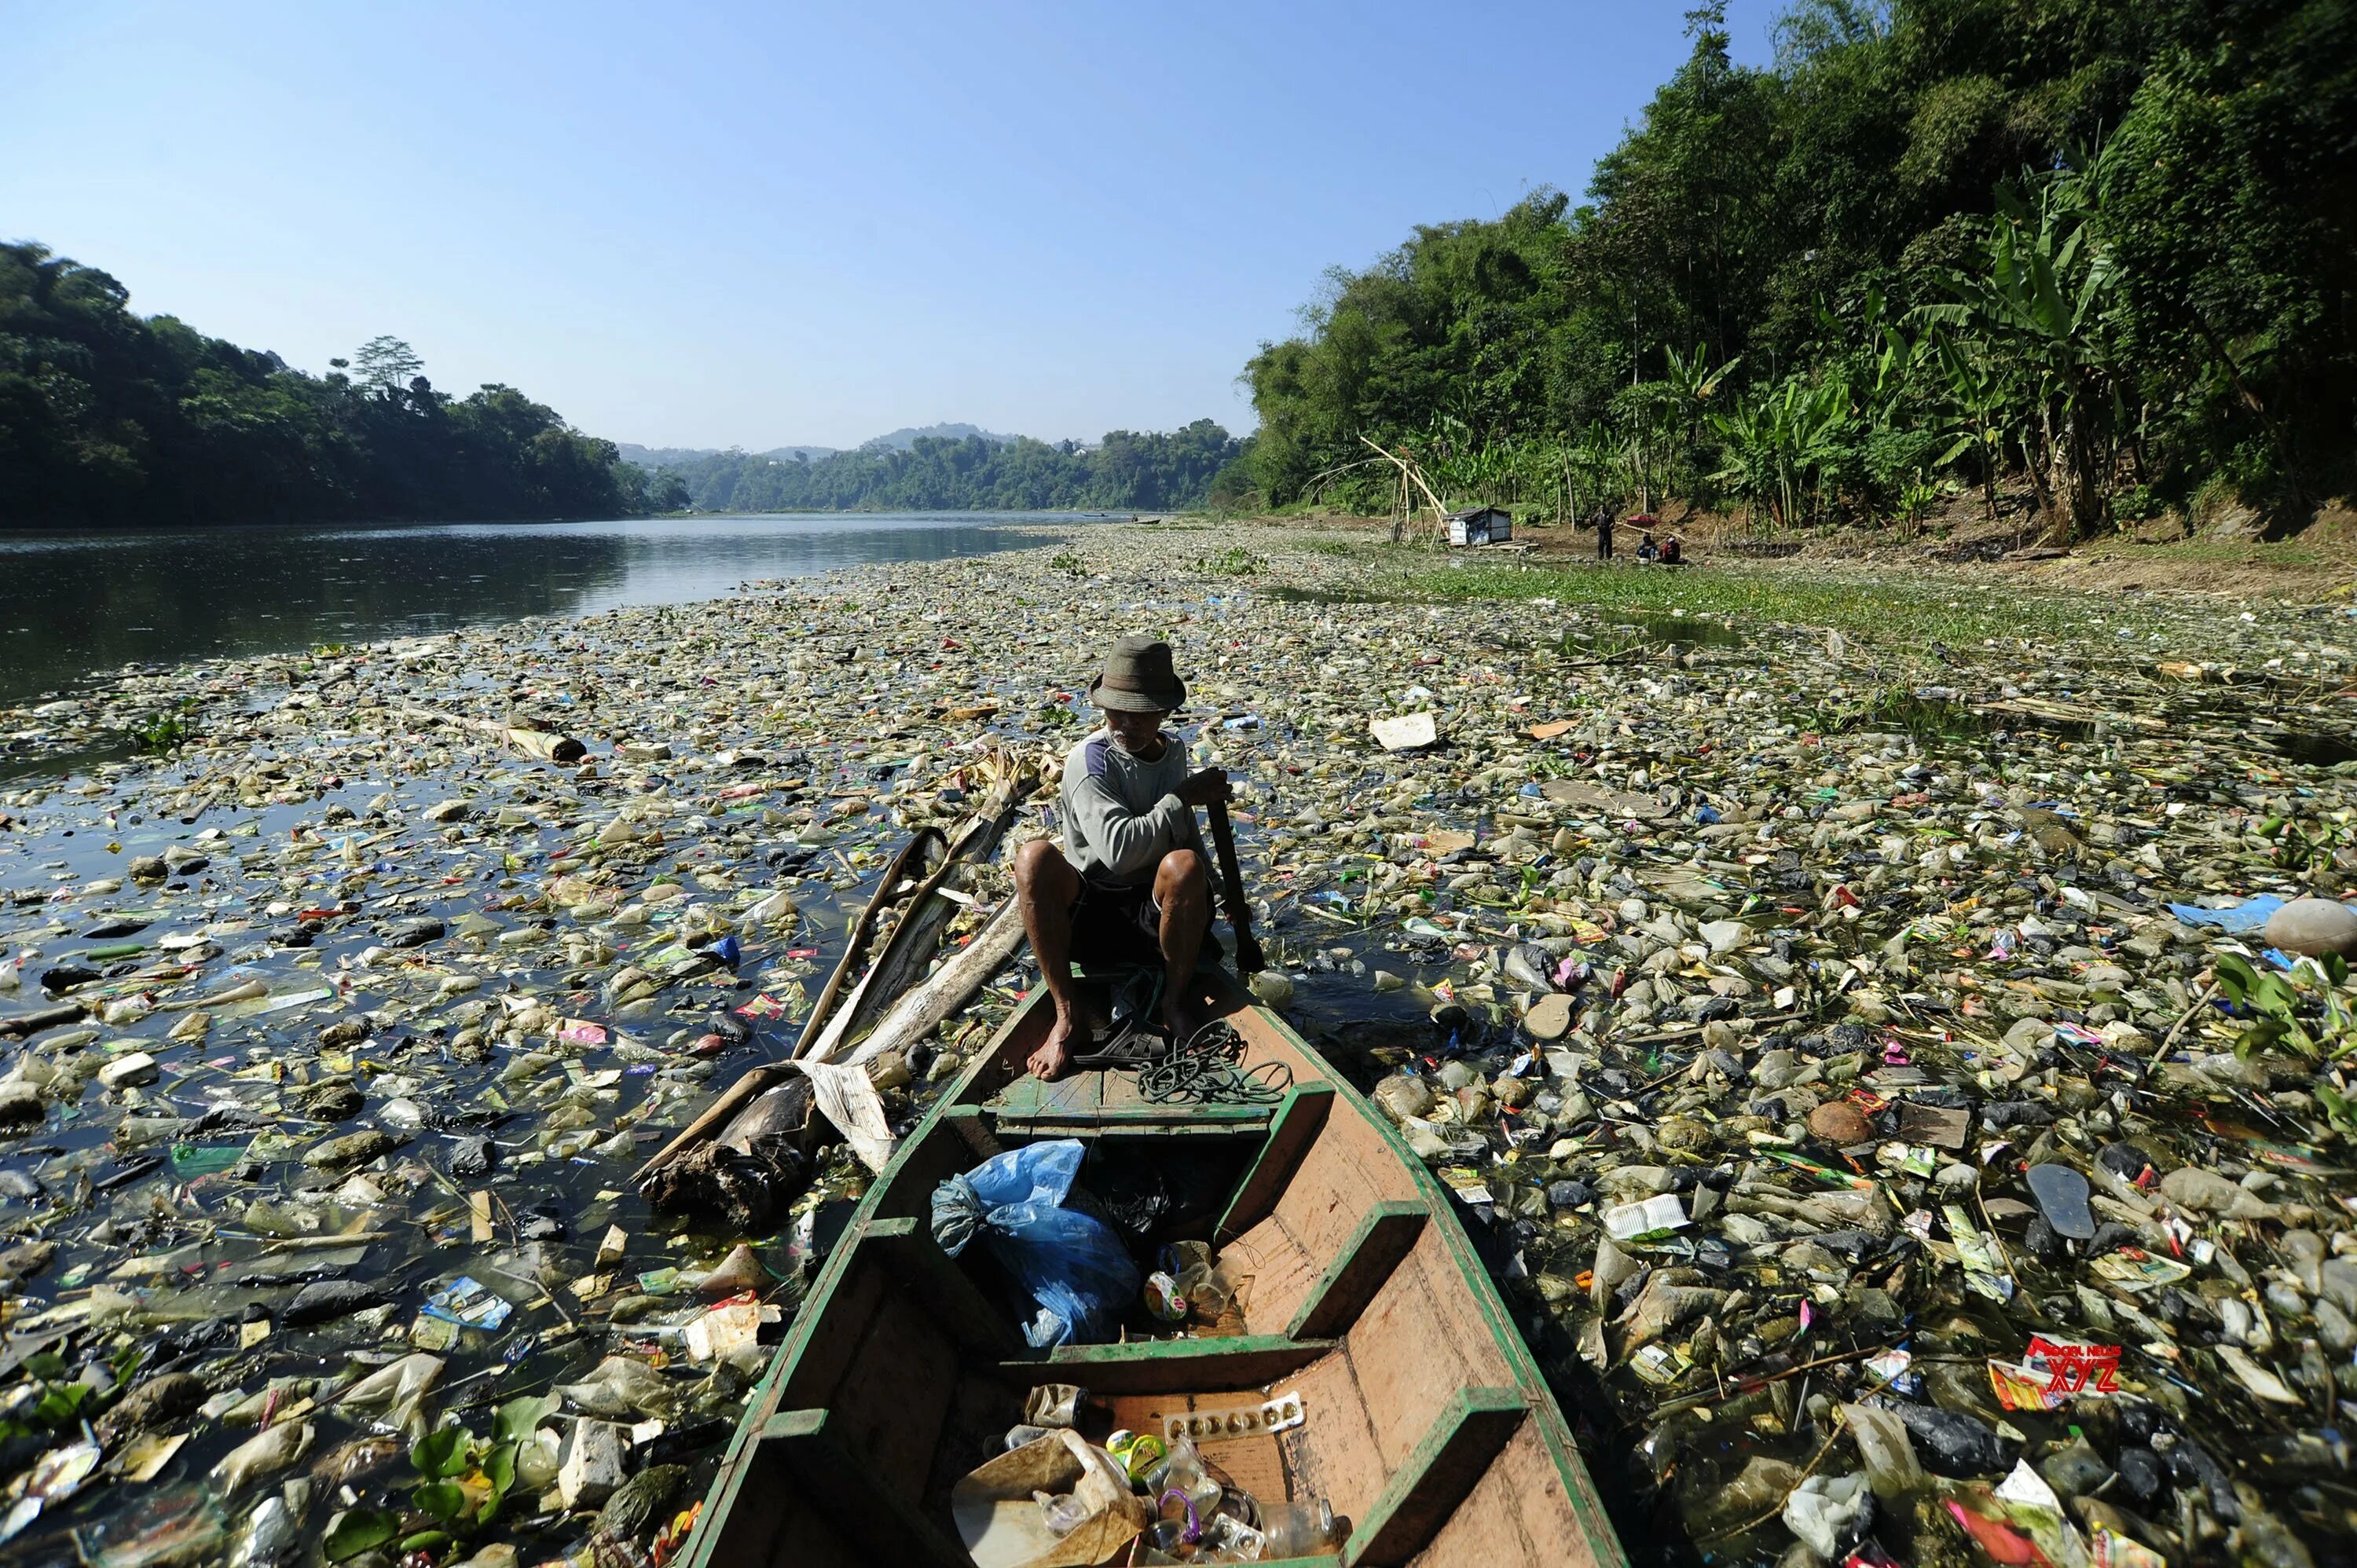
column 1779, row 444
column 1651, row 421
column 1975, row 393
column 1592, row 472
column 1692, row 384
column 2047, row 306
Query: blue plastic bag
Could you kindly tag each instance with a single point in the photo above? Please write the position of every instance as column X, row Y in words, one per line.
column 1075, row 1268
column 2239, row 919
column 1036, row 1172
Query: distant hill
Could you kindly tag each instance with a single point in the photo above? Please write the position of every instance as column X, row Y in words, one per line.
column 681, row 456
column 957, row 466
column 899, row 440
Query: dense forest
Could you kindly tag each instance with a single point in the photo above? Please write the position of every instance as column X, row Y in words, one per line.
column 109, row 417
column 106, row 417
column 2101, row 253
column 1128, row 470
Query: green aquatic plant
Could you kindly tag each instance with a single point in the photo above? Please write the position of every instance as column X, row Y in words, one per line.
column 2302, row 1011
column 1897, row 708
column 165, row 732
column 61, row 1402
column 1233, row 562
column 467, row 1481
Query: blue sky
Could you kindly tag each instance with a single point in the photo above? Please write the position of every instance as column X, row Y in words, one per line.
column 712, row 224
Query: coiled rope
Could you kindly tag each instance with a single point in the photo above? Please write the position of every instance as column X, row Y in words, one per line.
column 1208, row 1068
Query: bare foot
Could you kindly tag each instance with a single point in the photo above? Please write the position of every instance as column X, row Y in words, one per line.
column 1055, row 1053
column 1182, row 1016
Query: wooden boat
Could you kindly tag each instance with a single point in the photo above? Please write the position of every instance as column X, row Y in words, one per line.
column 1427, row 1423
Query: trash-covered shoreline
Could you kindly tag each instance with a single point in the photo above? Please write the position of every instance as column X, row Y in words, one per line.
column 1803, row 1019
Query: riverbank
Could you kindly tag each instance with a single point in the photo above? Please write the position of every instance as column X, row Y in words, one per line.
column 1963, row 547
column 1805, row 911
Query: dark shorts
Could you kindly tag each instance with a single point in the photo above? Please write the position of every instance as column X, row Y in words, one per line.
column 1123, row 925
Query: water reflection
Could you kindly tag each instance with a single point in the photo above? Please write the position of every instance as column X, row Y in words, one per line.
column 73, row 605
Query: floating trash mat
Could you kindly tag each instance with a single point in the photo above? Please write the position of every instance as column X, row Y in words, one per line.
column 1901, row 1090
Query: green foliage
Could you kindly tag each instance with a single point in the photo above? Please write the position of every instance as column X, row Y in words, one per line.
column 1233, row 562
column 441, row 1453
column 449, row 1456
column 443, row 1499
column 1893, row 709
column 1069, row 564
column 60, row 1402
column 518, row 1419
column 2043, row 302
column 2272, row 1002
column 1233, row 487
column 63, row 1404
column 106, row 417
column 2302, row 1011
column 1886, row 263
column 358, row 1530
column 166, row 731
column 1151, row 471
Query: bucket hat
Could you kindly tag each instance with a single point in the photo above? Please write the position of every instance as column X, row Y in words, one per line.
column 1137, row 678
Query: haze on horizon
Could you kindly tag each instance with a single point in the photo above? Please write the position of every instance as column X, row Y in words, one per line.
column 717, row 225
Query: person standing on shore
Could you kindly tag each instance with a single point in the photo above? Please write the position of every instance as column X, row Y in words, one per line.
column 1604, row 533
column 1132, row 884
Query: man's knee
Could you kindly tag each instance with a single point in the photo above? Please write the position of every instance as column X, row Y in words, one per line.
column 1040, row 865
column 1183, row 874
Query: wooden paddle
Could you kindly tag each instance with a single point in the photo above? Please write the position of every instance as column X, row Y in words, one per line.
column 1249, row 961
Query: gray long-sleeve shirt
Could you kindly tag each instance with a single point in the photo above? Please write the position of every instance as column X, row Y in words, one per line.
column 1123, row 814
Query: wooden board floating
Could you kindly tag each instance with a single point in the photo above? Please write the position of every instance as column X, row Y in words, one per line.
column 1427, row 1424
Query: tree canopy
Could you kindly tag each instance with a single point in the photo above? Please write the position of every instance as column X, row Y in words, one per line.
column 1128, row 470
column 109, row 417
column 106, row 417
column 2110, row 246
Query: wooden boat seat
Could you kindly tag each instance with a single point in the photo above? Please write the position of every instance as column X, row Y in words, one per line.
column 1107, row 1102
column 1104, row 1102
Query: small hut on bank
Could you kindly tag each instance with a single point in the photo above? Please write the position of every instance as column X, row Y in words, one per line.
column 1481, row 525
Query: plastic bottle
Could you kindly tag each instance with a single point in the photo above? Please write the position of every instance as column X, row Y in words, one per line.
column 1063, row 1514
column 1305, row 1527
column 1182, row 1468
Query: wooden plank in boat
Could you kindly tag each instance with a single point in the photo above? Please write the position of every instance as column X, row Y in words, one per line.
column 1091, row 1103
column 1383, row 1240
column 1445, row 1465
column 906, row 1248
column 1028, row 1099
column 1295, row 1126
column 806, row 1445
column 1168, row 1366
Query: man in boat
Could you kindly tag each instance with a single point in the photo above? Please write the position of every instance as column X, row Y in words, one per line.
column 1132, row 884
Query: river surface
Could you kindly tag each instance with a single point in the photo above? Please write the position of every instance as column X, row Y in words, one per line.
column 73, row 605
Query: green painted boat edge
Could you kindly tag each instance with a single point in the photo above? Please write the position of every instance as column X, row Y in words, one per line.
column 761, row 1404
column 1552, row 1428
column 1472, row 1427
column 1554, row 1431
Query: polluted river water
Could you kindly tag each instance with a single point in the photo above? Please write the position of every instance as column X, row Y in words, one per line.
column 1896, row 1080
column 73, row 603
